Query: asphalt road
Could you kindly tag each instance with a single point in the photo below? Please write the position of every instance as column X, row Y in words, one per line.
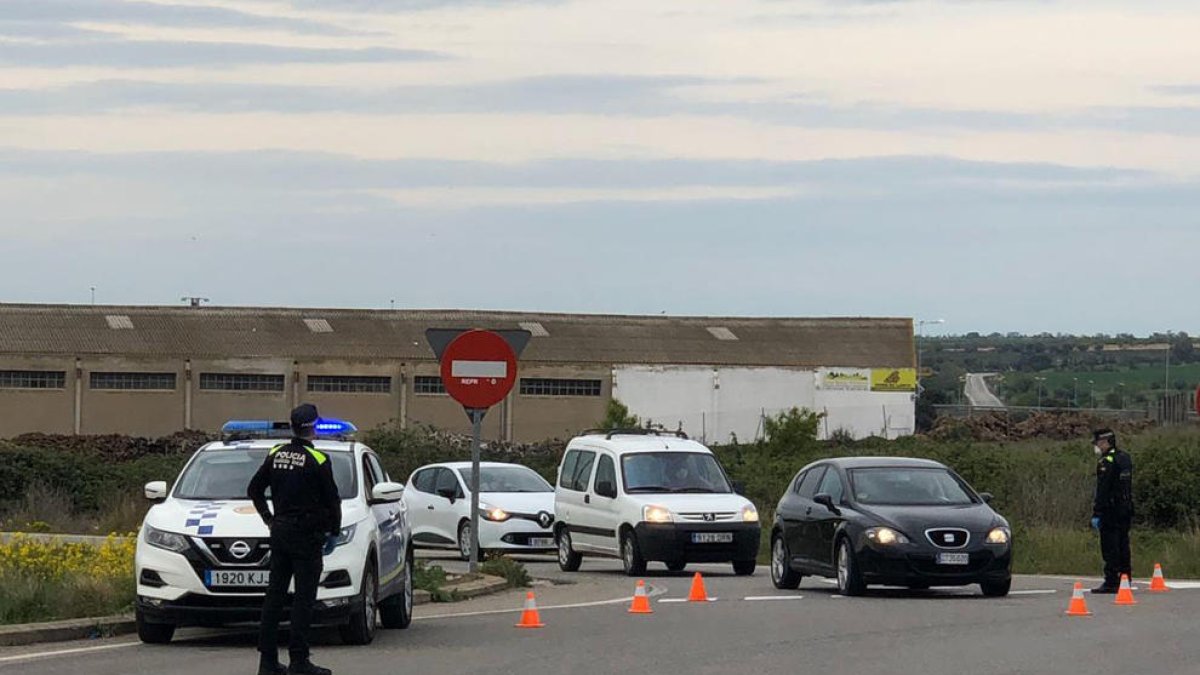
column 977, row 392
column 751, row 627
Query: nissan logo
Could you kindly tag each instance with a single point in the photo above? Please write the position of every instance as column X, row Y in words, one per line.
column 545, row 519
column 239, row 549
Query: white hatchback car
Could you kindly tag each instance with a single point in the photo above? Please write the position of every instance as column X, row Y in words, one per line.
column 642, row 495
column 203, row 554
column 516, row 508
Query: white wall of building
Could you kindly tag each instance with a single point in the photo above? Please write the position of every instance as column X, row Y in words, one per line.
column 717, row 403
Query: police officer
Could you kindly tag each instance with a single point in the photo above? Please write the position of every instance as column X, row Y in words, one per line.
column 1112, row 513
column 307, row 516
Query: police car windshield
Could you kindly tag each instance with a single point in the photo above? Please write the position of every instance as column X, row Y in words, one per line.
column 908, row 487
column 507, row 479
column 651, row 472
column 226, row 474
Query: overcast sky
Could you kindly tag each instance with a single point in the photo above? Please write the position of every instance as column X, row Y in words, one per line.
column 1016, row 165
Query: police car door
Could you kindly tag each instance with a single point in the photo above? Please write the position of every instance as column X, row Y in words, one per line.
column 388, row 519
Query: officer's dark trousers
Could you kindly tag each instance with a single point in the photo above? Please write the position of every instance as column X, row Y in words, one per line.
column 294, row 552
column 1114, row 546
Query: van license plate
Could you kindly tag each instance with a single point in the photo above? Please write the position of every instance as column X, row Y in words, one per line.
column 954, row 559
column 236, row 578
column 712, row 537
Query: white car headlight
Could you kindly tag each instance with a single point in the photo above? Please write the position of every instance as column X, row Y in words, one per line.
column 493, row 513
column 749, row 514
column 168, row 541
column 885, row 536
column 999, row 535
column 657, row 514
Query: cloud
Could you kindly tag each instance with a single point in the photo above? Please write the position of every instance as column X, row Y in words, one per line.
column 62, row 12
column 156, row 54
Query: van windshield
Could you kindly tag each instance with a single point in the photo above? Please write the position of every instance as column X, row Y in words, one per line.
column 662, row 472
column 226, row 474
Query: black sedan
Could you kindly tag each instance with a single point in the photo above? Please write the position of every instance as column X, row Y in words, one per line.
column 892, row 522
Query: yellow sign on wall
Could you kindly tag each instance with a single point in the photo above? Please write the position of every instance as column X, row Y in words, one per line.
column 893, row 379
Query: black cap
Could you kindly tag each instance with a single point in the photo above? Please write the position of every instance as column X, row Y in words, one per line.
column 1106, row 435
column 304, row 416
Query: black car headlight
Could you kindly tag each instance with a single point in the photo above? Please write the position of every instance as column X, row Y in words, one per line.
column 999, row 536
column 886, row 536
column 168, row 541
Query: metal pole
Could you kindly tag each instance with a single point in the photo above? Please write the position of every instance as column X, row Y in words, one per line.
column 476, row 433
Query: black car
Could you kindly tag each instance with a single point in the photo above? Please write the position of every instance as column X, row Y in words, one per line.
column 889, row 521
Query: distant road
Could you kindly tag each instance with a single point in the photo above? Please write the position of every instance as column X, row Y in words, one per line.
column 977, row 392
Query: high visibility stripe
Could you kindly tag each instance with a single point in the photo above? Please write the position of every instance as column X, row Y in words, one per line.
column 275, row 449
column 1109, row 458
column 317, row 455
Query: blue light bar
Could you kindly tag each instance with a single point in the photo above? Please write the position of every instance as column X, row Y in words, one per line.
column 244, row 426
column 332, row 427
column 269, row 429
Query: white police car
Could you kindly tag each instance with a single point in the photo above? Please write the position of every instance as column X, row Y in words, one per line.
column 203, row 554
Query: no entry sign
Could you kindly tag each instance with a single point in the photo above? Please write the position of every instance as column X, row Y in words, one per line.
column 479, row 368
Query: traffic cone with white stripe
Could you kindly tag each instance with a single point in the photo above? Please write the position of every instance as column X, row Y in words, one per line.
column 530, row 617
column 1158, row 583
column 1125, row 593
column 641, row 601
column 1078, row 606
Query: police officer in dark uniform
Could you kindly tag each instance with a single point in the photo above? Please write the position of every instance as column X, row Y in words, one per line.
column 1112, row 513
column 308, row 514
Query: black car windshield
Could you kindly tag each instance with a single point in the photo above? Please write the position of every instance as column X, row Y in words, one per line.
column 651, row 472
column 908, row 487
column 226, row 473
column 507, row 479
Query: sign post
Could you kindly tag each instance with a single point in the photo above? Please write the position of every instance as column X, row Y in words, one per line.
column 478, row 368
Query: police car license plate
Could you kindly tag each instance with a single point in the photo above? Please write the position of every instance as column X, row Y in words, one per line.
column 236, row 578
column 953, row 558
column 541, row 542
column 712, row 537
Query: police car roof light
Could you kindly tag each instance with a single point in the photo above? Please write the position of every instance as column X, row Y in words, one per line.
column 334, row 427
column 250, row 426
column 238, row 430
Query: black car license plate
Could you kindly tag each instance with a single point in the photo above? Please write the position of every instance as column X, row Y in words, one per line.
column 954, row 559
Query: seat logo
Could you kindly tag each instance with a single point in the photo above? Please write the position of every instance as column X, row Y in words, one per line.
column 239, row 550
column 948, row 538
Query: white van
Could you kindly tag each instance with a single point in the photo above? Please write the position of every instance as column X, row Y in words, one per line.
column 643, row 495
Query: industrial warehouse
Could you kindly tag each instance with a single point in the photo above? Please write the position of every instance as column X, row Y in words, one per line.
column 156, row 370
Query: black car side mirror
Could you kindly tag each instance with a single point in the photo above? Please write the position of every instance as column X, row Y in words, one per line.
column 826, row 501
column 739, row 488
column 986, row 497
column 448, row 493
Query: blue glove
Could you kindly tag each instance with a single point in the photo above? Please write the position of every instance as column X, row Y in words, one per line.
column 1095, row 522
column 330, row 544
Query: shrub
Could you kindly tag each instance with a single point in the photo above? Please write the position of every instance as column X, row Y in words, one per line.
column 507, row 569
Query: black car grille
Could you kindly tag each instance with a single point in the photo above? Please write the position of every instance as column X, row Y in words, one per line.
column 948, row 537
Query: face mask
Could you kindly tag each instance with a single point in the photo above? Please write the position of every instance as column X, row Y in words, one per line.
column 1097, row 449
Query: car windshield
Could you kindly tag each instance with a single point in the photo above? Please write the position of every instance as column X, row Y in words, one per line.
column 908, row 487
column 507, row 479
column 650, row 472
column 225, row 474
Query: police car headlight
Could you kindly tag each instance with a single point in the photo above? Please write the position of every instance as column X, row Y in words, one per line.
column 345, row 536
column 1000, row 535
column 169, row 541
column 657, row 514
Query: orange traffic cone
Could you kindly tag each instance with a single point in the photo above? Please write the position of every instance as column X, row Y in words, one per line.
column 530, row 617
column 1158, row 584
column 1125, row 593
column 1078, row 606
column 698, row 594
column 641, row 601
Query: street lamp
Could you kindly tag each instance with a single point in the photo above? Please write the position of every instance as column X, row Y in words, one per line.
column 1040, row 380
column 1092, row 383
column 1075, row 396
column 920, row 331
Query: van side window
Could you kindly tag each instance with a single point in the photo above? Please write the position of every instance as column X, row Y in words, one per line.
column 606, row 472
column 581, row 473
column 568, row 470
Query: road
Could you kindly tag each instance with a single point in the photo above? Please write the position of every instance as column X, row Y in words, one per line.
column 751, row 627
column 977, row 392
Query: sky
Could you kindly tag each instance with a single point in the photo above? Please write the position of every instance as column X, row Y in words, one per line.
column 1015, row 165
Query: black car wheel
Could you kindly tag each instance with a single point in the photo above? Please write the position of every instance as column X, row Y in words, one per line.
column 745, row 568
column 631, row 556
column 850, row 581
column 396, row 611
column 782, row 574
column 568, row 559
column 996, row 589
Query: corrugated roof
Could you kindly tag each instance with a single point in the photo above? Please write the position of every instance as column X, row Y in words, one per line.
column 218, row 332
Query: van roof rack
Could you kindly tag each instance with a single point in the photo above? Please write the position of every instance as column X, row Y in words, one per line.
column 609, row 433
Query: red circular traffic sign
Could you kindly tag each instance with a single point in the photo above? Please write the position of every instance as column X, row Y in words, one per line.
column 479, row 368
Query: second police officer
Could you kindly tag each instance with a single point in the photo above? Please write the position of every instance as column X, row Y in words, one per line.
column 1112, row 512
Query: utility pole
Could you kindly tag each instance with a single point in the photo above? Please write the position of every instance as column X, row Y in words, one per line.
column 1040, row 380
column 920, row 331
column 1075, row 395
column 1092, row 383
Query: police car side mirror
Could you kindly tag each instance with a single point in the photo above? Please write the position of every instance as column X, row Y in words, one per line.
column 156, row 491
column 386, row 493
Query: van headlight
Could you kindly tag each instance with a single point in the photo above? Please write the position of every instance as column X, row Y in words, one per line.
column 885, row 536
column 749, row 514
column 168, row 541
column 999, row 535
column 657, row 514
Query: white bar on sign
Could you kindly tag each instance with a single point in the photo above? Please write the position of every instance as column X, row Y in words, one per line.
column 479, row 369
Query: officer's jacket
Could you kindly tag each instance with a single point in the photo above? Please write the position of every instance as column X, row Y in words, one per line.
column 303, row 490
column 1114, row 485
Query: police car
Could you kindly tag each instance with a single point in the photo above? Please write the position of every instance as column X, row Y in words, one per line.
column 203, row 553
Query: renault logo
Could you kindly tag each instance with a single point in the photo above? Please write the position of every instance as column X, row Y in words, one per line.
column 239, row 550
column 545, row 519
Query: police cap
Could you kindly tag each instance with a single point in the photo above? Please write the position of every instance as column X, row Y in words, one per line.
column 304, row 416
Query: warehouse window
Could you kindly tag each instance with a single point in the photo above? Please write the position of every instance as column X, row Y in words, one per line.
column 428, row 384
column 160, row 381
column 33, row 379
column 240, row 382
column 541, row 386
column 350, row 384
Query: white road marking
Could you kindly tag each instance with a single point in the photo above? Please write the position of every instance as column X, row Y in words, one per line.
column 756, row 598
column 66, row 652
column 1031, row 592
column 683, row 600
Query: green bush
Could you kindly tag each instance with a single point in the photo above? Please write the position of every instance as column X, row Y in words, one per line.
column 508, row 569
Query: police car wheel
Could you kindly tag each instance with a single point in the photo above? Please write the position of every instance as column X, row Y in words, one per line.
column 396, row 611
column 154, row 633
column 360, row 630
